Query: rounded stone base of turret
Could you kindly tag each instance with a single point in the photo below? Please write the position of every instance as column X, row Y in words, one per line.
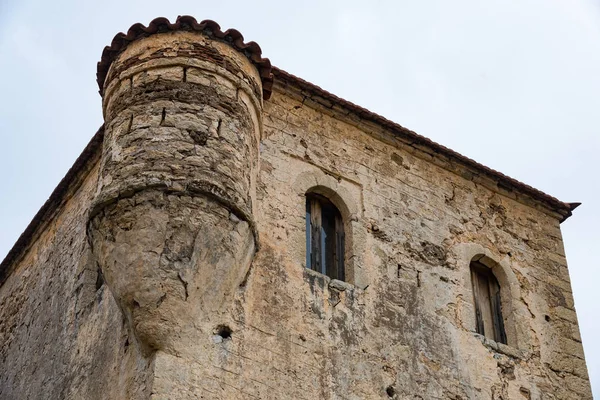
column 172, row 261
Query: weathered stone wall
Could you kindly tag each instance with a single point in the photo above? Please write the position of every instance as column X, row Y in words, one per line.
column 409, row 323
column 172, row 226
column 62, row 335
column 404, row 326
column 193, row 169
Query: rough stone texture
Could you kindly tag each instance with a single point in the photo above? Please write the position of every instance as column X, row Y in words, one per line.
column 62, row 334
column 172, row 225
column 196, row 216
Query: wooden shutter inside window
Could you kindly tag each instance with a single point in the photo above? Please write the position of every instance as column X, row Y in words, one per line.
column 488, row 306
column 340, row 247
column 496, row 307
column 485, row 304
column 315, row 235
column 476, row 299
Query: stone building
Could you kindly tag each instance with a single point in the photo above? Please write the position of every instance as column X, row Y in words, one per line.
column 235, row 232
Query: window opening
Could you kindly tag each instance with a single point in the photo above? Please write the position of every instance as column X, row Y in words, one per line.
column 488, row 307
column 324, row 237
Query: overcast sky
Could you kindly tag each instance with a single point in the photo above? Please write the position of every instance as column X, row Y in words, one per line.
column 514, row 85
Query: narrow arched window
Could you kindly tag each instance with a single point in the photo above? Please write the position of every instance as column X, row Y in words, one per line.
column 488, row 305
column 324, row 237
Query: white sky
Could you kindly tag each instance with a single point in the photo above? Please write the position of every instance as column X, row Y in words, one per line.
column 514, row 85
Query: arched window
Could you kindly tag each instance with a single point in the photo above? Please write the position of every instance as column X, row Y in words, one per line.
column 324, row 237
column 488, row 305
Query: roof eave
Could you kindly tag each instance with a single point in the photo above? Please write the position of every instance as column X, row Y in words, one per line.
column 564, row 210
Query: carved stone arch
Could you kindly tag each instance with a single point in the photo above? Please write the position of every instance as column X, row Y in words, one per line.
column 340, row 193
column 330, row 187
column 514, row 311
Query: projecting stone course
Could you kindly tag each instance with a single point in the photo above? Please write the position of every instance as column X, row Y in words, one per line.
column 173, row 266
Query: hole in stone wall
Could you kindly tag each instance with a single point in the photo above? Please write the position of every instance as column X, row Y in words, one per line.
column 99, row 279
column 224, row 331
column 547, row 318
column 390, row 391
column 130, row 123
column 397, row 159
column 219, row 126
column 199, row 137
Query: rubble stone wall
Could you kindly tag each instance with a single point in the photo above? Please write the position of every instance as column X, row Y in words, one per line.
column 405, row 321
column 62, row 335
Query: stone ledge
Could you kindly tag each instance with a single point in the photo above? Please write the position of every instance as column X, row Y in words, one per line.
column 500, row 347
column 332, row 284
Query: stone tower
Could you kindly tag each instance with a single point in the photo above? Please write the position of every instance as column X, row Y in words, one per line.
column 235, row 232
column 173, row 222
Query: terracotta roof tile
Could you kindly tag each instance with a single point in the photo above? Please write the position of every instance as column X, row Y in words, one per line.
column 187, row 23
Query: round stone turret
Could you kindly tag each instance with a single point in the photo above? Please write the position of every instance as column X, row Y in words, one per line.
column 172, row 225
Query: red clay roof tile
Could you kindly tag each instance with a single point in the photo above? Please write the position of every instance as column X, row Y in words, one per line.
column 211, row 28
